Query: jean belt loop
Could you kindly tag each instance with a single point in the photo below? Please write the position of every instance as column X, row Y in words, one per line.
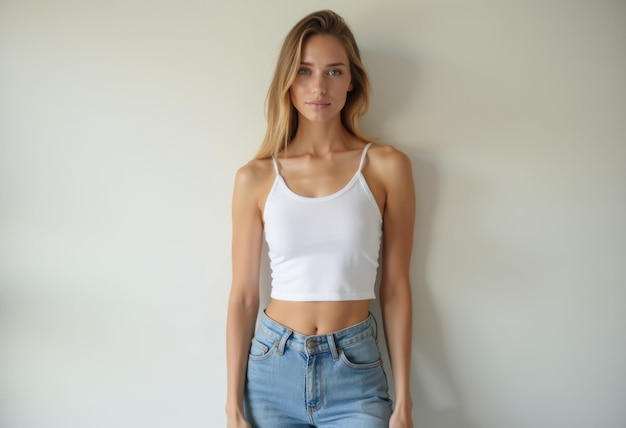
column 283, row 341
column 333, row 346
column 374, row 326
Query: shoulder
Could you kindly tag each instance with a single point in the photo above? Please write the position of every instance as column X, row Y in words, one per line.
column 254, row 179
column 389, row 163
column 255, row 172
column 394, row 172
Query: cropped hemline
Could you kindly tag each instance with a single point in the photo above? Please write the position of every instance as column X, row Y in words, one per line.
column 322, row 298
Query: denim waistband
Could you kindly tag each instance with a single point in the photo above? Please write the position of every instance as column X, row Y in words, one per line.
column 329, row 342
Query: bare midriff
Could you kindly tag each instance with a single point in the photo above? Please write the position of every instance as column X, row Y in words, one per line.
column 313, row 318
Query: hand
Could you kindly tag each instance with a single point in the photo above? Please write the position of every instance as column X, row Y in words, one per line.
column 237, row 421
column 238, row 424
column 401, row 419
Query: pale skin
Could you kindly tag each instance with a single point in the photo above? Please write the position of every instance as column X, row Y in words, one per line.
column 321, row 159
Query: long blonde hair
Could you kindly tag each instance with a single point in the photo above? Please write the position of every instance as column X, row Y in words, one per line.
column 282, row 116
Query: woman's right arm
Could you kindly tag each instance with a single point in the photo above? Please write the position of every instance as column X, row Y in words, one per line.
column 243, row 303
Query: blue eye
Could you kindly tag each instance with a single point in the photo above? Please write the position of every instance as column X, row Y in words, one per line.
column 335, row 72
column 303, row 71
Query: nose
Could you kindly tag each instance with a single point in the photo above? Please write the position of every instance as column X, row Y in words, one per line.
column 318, row 85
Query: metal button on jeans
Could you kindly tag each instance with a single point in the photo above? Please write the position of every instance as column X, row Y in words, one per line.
column 312, row 345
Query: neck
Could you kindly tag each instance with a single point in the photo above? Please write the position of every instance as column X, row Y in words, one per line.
column 319, row 138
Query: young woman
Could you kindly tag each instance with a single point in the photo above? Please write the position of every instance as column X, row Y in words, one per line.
column 326, row 200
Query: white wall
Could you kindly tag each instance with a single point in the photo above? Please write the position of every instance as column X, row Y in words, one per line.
column 122, row 124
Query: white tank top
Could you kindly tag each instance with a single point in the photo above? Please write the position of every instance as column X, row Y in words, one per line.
column 323, row 248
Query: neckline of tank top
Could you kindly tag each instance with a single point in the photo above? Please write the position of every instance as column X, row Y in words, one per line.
column 344, row 189
column 357, row 175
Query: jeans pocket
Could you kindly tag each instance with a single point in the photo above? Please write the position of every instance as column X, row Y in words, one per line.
column 362, row 355
column 260, row 351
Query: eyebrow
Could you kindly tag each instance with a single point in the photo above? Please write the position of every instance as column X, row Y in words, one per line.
column 334, row 64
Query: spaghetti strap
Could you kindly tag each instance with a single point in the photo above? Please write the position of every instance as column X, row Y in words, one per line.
column 275, row 166
column 363, row 156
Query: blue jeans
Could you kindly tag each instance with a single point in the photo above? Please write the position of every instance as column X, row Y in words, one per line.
column 331, row 380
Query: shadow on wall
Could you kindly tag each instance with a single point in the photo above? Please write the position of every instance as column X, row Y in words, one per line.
column 392, row 78
column 436, row 400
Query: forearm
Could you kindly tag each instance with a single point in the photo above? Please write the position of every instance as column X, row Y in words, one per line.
column 239, row 331
column 396, row 305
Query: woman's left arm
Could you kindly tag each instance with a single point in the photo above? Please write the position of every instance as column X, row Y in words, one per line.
column 395, row 288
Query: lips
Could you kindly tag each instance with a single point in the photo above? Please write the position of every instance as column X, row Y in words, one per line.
column 317, row 104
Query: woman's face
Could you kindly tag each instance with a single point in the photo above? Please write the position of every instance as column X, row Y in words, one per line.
column 323, row 81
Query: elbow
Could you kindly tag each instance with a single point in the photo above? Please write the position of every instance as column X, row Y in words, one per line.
column 248, row 303
column 398, row 290
column 246, row 300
